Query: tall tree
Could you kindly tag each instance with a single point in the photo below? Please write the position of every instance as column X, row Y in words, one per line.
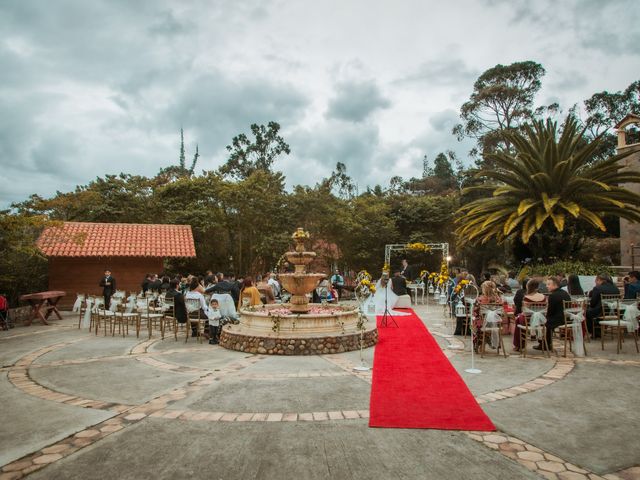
column 181, row 160
column 249, row 155
column 604, row 110
column 502, row 100
column 341, row 182
column 547, row 186
column 443, row 171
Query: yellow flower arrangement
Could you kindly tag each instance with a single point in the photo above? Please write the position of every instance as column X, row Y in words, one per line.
column 422, row 247
column 300, row 233
column 461, row 284
column 386, row 267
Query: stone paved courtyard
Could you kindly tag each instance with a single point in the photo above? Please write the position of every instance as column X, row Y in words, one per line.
column 81, row 406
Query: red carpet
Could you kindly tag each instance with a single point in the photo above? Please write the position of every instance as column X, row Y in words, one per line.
column 415, row 385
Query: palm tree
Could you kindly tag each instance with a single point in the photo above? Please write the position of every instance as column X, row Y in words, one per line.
column 548, row 184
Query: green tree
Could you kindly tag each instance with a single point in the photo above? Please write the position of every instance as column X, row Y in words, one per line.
column 249, row 155
column 502, row 100
column 443, row 171
column 604, row 110
column 341, row 182
column 547, row 188
column 23, row 268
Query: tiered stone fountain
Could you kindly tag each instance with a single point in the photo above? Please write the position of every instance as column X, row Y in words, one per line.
column 299, row 327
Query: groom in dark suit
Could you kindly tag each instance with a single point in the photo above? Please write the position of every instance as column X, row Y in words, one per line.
column 108, row 284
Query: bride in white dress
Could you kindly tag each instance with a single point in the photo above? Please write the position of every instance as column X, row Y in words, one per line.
column 378, row 299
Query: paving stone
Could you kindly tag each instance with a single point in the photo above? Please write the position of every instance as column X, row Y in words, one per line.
column 259, row 417
column 495, row 438
column 10, row 475
column 45, row 459
column 548, row 475
column 111, row 428
column 553, row 458
column 511, row 447
column 56, row 448
column 15, row 466
column 531, row 456
column 87, row 433
column 571, row 476
column 574, row 468
column 135, row 416
column 551, row 466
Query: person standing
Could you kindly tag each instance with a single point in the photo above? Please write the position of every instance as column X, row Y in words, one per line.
column 337, row 281
column 108, row 284
column 405, row 270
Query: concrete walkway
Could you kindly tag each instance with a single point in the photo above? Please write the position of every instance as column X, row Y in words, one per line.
column 81, row 406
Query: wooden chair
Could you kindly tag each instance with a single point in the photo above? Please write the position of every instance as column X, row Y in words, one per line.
column 122, row 319
column 533, row 310
column 491, row 327
column 194, row 318
column 149, row 316
column 104, row 317
column 82, row 308
column 614, row 322
column 609, row 308
column 574, row 314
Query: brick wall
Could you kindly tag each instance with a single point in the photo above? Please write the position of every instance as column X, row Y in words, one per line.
column 82, row 275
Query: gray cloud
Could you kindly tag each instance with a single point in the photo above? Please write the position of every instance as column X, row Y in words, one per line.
column 356, row 101
column 444, row 121
column 442, row 72
column 104, row 86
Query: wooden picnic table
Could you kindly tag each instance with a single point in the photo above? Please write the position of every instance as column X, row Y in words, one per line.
column 43, row 304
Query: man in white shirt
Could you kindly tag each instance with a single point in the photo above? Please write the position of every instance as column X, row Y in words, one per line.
column 275, row 285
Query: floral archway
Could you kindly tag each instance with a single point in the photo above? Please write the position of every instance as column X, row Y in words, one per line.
column 418, row 246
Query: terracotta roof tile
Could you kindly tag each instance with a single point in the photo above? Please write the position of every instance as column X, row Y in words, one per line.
column 79, row 239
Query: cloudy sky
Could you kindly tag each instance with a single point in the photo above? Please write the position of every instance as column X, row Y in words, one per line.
column 90, row 87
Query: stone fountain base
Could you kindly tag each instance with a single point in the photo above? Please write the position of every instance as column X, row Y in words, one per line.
column 236, row 340
column 273, row 330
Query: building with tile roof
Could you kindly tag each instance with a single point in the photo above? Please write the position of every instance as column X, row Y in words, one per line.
column 79, row 252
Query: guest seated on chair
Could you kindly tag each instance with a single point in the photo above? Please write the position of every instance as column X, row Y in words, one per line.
column 632, row 285
column 195, row 294
column 531, row 296
column 555, row 309
column 179, row 307
column 249, row 295
column 573, row 286
column 604, row 285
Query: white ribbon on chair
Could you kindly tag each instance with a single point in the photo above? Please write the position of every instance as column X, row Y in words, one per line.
column 131, row 303
column 113, row 306
column 492, row 321
column 537, row 321
column 576, row 327
column 78, row 303
column 631, row 317
column 86, row 320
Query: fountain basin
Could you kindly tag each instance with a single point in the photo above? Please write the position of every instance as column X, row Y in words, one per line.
column 276, row 329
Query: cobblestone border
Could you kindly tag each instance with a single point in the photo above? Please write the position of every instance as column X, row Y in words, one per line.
column 543, row 463
column 131, row 415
